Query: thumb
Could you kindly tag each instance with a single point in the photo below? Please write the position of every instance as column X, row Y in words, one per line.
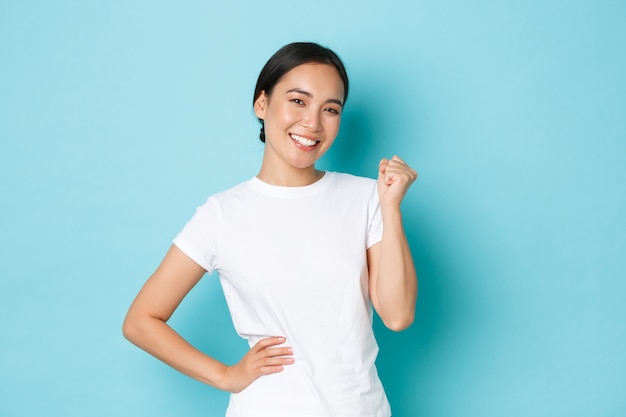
column 382, row 166
column 383, row 178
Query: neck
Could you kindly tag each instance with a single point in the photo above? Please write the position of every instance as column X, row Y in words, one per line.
column 294, row 177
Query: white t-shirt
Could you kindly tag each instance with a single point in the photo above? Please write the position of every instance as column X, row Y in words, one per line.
column 292, row 262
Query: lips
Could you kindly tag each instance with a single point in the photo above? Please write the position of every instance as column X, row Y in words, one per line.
column 303, row 141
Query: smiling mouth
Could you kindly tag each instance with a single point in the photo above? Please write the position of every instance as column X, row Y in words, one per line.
column 302, row 140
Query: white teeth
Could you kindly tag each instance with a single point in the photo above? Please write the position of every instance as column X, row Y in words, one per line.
column 303, row 141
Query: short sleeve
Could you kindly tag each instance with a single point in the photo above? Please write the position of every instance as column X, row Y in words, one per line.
column 375, row 220
column 200, row 236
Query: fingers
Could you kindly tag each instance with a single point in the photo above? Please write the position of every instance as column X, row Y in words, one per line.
column 264, row 358
column 281, row 351
column 396, row 167
column 267, row 359
column 394, row 179
column 267, row 342
column 382, row 165
column 273, row 364
column 277, row 356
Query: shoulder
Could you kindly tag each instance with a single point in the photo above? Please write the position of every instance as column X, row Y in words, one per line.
column 353, row 182
column 349, row 179
column 228, row 194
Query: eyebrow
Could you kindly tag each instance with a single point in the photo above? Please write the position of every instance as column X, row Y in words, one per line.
column 306, row 93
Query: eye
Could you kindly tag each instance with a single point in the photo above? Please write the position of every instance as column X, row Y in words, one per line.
column 297, row 101
column 332, row 110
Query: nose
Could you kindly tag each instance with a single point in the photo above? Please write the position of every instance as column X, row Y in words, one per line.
column 313, row 121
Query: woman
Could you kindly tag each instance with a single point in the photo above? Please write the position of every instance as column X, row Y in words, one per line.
column 302, row 256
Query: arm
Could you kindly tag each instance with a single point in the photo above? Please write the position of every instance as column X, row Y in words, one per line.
column 146, row 326
column 392, row 277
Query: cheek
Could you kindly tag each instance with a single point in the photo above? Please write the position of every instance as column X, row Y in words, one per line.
column 286, row 115
column 334, row 124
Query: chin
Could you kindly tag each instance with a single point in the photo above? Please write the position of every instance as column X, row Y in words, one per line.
column 303, row 163
column 310, row 165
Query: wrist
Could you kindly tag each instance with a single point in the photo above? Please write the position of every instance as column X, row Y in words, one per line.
column 390, row 207
column 213, row 373
column 221, row 378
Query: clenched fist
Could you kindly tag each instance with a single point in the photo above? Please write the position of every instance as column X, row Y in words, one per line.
column 394, row 179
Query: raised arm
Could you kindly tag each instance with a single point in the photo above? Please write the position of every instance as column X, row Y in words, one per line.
column 146, row 326
column 392, row 277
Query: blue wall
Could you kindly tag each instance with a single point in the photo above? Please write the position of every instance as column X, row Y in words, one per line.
column 118, row 118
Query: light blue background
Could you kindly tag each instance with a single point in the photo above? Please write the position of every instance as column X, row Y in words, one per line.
column 118, row 118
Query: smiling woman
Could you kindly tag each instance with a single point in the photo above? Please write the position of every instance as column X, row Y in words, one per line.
column 301, row 120
column 307, row 319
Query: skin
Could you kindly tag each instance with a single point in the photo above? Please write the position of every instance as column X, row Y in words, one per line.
column 307, row 102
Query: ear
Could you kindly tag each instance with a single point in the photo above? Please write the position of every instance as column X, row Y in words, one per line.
column 260, row 104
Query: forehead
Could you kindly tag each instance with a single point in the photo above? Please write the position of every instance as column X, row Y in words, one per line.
column 322, row 79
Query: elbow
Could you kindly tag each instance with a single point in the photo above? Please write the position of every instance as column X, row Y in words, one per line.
column 399, row 318
column 128, row 330
column 131, row 329
column 397, row 324
column 138, row 327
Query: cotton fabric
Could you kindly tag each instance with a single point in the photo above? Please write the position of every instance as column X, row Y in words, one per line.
column 292, row 262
